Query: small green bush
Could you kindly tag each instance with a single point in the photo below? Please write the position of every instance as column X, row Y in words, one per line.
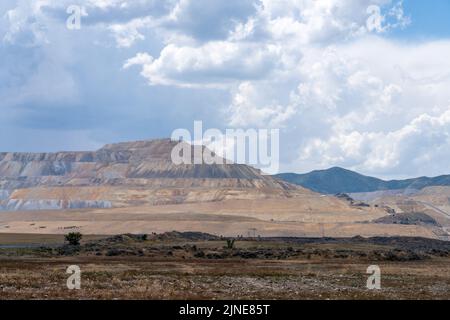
column 73, row 238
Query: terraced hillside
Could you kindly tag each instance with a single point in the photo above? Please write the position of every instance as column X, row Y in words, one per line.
column 123, row 174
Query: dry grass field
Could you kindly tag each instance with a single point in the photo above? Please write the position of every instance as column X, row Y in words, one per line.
column 199, row 266
column 308, row 216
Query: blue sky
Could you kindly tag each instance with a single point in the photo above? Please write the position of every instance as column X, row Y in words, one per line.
column 342, row 94
column 430, row 19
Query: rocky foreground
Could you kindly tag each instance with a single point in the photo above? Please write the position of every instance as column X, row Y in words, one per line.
column 201, row 266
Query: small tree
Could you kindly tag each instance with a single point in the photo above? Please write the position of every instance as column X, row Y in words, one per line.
column 73, row 238
column 230, row 243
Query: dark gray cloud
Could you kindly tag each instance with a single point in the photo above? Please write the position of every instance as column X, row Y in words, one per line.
column 112, row 14
column 210, row 19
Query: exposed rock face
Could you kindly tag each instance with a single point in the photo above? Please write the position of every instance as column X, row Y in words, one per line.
column 4, row 194
column 132, row 173
column 21, row 204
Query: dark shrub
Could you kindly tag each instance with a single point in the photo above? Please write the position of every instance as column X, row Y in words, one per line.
column 230, row 243
column 73, row 238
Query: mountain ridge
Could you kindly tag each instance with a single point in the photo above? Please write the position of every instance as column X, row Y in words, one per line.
column 339, row 180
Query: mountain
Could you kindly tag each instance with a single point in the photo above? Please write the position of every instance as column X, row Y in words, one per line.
column 124, row 174
column 338, row 180
column 134, row 187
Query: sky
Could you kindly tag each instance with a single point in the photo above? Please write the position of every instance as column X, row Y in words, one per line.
column 361, row 84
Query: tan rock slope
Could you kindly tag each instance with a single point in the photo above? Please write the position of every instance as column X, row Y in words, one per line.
column 433, row 202
column 124, row 174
